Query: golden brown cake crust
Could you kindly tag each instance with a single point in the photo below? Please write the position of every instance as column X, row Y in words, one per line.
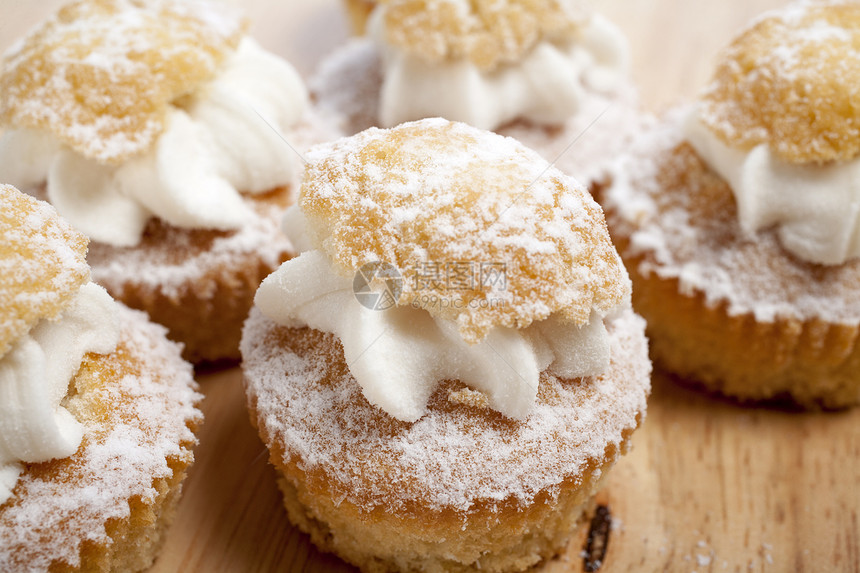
column 417, row 194
column 200, row 284
column 106, row 507
column 498, row 547
column 101, row 74
column 462, row 481
column 42, row 264
column 791, row 81
column 814, row 364
column 348, row 83
column 488, row 33
column 738, row 314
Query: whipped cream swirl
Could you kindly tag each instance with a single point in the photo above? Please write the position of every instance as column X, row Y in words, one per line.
column 547, row 87
column 34, row 379
column 218, row 141
column 399, row 356
column 814, row 208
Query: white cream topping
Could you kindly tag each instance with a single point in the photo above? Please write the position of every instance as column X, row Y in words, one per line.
column 548, row 86
column 815, row 208
column 213, row 147
column 34, row 380
column 399, row 355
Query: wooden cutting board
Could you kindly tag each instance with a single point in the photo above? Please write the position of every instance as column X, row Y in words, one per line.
column 709, row 486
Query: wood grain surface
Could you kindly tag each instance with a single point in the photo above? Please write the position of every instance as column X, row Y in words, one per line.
column 709, row 486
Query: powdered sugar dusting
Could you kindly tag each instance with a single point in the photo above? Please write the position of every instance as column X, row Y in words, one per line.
column 585, row 144
column 440, row 191
column 455, row 456
column 161, row 267
column 101, row 75
column 132, row 426
column 347, row 88
column 791, row 80
column 42, row 263
column 681, row 219
column 489, row 33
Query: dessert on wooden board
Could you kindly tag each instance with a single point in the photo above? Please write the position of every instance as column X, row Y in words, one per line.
column 156, row 128
column 98, row 409
column 543, row 72
column 679, row 202
column 462, row 416
column 738, row 216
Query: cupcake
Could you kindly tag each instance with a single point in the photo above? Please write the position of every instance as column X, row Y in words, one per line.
column 155, row 129
column 543, row 72
column 98, row 411
column 738, row 216
column 448, row 370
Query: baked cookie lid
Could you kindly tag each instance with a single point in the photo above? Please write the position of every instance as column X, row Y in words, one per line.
column 792, row 80
column 42, row 264
column 489, row 33
column 100, row 74
column 435, row 192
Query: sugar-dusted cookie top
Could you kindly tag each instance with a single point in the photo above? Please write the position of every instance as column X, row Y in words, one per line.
column 792, row 80
column 435, row 195
column 488, row 33
column 100, row 74
column 42, row 263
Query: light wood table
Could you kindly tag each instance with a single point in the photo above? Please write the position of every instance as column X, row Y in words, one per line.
column 709, row 486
